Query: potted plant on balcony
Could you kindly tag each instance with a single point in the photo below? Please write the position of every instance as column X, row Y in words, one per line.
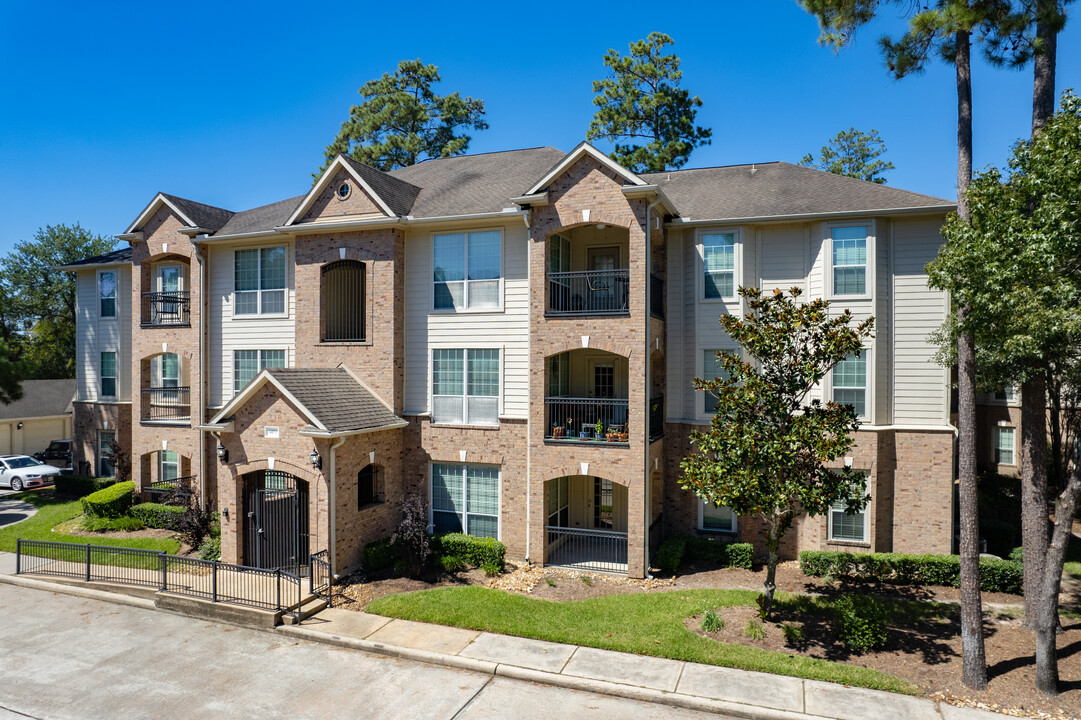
column 557, row 430
column 598, row 431
column 623, row 436
column 586, row 432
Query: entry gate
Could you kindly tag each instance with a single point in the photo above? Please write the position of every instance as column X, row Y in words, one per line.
column 276, row 514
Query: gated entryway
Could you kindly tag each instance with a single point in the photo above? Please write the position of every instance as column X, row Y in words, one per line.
column 276, row 519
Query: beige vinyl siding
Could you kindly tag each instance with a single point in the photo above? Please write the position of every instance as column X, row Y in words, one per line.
column 226, row 333
column 783, row 253
column 506, row 329
column 97, row 335
column 709, row 334
column 920, row 391
column 883, row 329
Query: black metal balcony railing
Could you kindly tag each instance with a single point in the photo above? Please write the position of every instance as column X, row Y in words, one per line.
column 598, row 550
column 656, row 297
column 166, row 403
column 166, row 308
column 179, row 489
column 577, row 418
column 656, row 418
column 593, row 292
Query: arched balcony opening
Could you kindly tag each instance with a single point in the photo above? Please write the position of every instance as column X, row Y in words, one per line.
column 586, row 397
column 167, row 299
column 586, row 524
column 166, row 390
column 167, row 476
column 588, row 271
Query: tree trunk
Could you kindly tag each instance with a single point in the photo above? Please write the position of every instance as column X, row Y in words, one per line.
column 974, row 663
column 1033, row 490
column 1047, row 612
column 773, row 544
column 1044, row 64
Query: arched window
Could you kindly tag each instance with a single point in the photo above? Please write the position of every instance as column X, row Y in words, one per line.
column 369, row 486
column 342, row 298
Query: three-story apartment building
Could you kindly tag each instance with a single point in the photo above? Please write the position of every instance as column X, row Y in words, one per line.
column 511, row 335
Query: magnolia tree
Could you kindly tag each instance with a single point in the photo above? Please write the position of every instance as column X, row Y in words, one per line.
column 771, row 450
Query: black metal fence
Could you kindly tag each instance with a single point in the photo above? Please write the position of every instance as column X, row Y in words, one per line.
column 319, row 576
column 656, row 297
column 592, row 292
column 275, row 590
column 577, row 418
column 166, row 403
column 166, row 308
column 598, row 550
column 163, row 490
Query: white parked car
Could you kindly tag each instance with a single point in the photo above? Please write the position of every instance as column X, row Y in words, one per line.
column 20, row 472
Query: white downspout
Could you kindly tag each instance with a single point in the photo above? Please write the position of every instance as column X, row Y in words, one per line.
column 648, row 500
column 332, row 515
column 202, row 378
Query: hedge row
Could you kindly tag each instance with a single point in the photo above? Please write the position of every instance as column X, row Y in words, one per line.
column 675, row 551
column 81, row 485
column 157, row 515
column 995, row 575
column 111, row 502
column 478, row 551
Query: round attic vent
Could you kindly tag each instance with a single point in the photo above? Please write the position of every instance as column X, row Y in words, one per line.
column 343, row 191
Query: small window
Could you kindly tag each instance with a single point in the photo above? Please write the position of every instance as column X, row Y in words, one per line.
column 108, row 374
column 719, row 263
column 343, row 191
column 465, row 498
column 169, row 371
column 342, row 300
column 1004, row 445
column 847, row 526
column 369, row 486
column 259, row 281
column 716, row 518
column 711, row 368
column 850, row 261
column 850, row 383
column 466, row 270
column 559, row 502
column 169, row 465
column 1007, row 394
column 248, row 363
column 465, row 387
column 107, row 290
column 106, row 464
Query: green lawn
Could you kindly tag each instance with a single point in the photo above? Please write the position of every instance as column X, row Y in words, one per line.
column 52, row 511
column 646, row 624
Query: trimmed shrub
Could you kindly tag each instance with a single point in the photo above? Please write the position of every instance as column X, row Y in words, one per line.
column 122, row 524
column 1017, row 555
column 861, row 623
column 112, row 502
column 670, row 554
column 210, row 549
column 491, row 569
column 995, row 575
column 451, row 563
column 475, row 551
column 80, row 485
column 379, row 555
column 157, row 515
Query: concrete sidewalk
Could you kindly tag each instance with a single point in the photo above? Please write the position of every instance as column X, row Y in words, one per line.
column 738, row 693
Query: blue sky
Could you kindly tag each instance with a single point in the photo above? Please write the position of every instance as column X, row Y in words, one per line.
column 104, row 104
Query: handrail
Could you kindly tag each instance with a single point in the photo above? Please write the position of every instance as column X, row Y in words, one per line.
column 166, row 308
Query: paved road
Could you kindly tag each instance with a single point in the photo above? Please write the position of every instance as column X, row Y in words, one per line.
column 13, row 511
column 68, row 657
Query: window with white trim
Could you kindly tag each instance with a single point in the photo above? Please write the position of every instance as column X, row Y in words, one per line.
column 108, row 374
column 168, row 465
column 847, row 526
column 465, row 387
column 850, row 383
column 1004, row 445
column 559, row 502
column 259, row 281
column 1007, row 394
column 248, row 363
column 107, row 291
column 719, row 265
column 711, row 369
column 166, row 370
column 466, row 270
column 465, row 498
column 849, row 255
column 716, row 518
column 106, row 464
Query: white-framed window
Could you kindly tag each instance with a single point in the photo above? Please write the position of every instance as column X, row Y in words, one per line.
column 108, row 374
column 259, row 281
column 716, row 518
column 718, row 265
column 168, row 465
column 1005, row 437
column 849, row 260
column 166, row 370
column 467, row 270
column 711, row 368
column 559, row 502
column 465, row 498
column 850, row 383
column 1007, row 394
column 106, row 465
column 845, row 526
column 248, row 363
column 465, row 386
column 107, row 293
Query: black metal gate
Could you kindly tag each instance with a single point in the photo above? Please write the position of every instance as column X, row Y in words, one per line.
column 276, row 513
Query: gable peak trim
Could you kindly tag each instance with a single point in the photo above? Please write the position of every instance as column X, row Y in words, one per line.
column 159, row 200
column 325, row 179
column 583, row 148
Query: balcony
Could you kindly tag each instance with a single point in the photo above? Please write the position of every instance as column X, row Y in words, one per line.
column 576, row 420
column 589, row 292
column 166, row 309
column 167, row 405
column 174, row 489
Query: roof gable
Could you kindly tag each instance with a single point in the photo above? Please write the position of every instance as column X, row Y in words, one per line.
column 41, row 398
column 194, row 214
column 384, row 194
column 583, row 149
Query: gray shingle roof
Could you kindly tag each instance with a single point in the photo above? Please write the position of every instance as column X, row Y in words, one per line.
column 41, row 398
column 260, row 219
column 396, row 193
column 336, row 399
column 204, row 216
column 777, row 189
column 476, row 183
column 116, row 257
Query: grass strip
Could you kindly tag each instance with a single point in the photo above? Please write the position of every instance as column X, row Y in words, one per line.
column 645, row 624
